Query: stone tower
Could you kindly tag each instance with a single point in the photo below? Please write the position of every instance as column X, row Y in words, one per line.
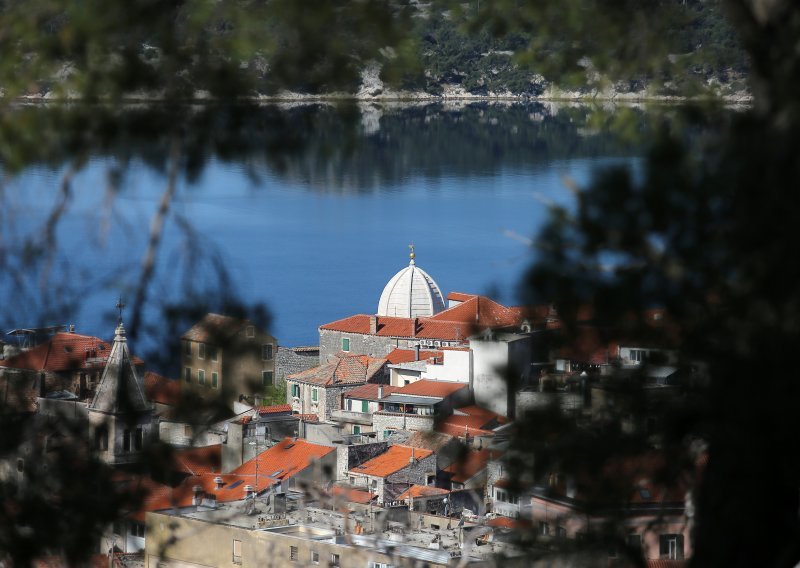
column 119, row 416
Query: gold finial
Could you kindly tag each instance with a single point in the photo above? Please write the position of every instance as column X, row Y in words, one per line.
column 412, row 255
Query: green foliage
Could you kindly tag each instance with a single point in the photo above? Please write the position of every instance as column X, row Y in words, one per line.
column 275, row 394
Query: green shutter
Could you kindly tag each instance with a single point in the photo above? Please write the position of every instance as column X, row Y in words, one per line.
column 214, row 380
column 345, row 344
column 314, row 395
column 364, row 406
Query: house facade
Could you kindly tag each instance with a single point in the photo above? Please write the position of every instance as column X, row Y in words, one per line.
column 227, row 359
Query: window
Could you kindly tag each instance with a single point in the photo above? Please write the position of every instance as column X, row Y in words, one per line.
column 126, row 440
column 267, row 378
column 137, row 529
column 212, row 352
column 296, row 391
column 364, row 406
column 187, row 374
column 356, row 429
column 20, row 465
column 201, row 350
column 314, row 557
column 501, row 495
column 187, row 348
column 345, row 344
column 201, row 377
column 544, row 528
column 266, row 352
column 671, row 546
column 101, row 439
column 251, row 331
column 237, row 551
column 215, row 380
column 137, row 443
column 561, row 532
column 334, row 560
column 293, row 553
column 314, row 395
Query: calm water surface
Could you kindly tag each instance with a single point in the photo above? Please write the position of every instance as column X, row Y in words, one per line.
column 315, row 239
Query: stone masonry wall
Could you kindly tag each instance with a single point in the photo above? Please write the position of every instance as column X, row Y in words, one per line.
column 291, row 360
column 392, row 421
column 348, row 457
column 413, row 474
column 330, row 343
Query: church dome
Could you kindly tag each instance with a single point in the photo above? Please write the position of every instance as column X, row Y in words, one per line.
column 411, row 293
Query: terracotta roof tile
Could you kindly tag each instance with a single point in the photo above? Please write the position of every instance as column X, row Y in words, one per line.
column 398, row 356
column 64, row 352
column 284, row 459
column 369, row 391
column 460, row 296
column 475, row 410
column 508, row 523
column 416, row 491
column 161, row 389
column 459, row 431
column 427, row 387
column 307, row 417
column 344, row 369
column 196, row 461
column 352, row 495
column 394, row 459
column 467, row 468
column 275, row 409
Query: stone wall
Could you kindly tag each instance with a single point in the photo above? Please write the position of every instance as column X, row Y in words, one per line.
column 330, row 343
column 291, row 360
column 413, row 474
column 348, row 457
column 395, row 421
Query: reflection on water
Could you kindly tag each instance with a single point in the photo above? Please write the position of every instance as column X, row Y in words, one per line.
column 308, row 210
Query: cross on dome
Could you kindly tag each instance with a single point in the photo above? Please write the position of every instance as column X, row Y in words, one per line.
column 411, row 293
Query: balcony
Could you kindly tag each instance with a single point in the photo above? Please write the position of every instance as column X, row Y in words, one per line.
column 364, row 418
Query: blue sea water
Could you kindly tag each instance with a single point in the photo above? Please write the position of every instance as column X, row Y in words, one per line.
column 311, row 250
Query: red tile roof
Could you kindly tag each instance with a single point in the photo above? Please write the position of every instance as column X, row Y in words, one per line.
column 287, row 458
column 369, row 391
column 453, row 324
column 475, row 410
column 196, row 461
column 428, row 387
column 64, row 352
column 352, row 495
column 284, row 459
column 416, row 491
column 161, row 389
column 467, row 468
column 307, row 417
column 507, row 523
column 344, row 369
column 459, row 431
column 275, row 409
column 392, row 460
column 460, row 296
column 398, row 356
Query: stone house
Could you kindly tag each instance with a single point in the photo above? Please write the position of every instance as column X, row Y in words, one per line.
column 227, row 359
column 394, row 471
column 321, row 390
column 359, row 405
column 418, row 406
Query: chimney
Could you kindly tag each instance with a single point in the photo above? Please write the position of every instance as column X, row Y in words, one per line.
column 380, row 391
column 373, row 325
column 411, row 459
column 218, row 482
column 248, row 491
column 416, row 327
column 416, row 352
column 72, row 328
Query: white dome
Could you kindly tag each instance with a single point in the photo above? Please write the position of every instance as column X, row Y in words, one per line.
column 411, row 293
